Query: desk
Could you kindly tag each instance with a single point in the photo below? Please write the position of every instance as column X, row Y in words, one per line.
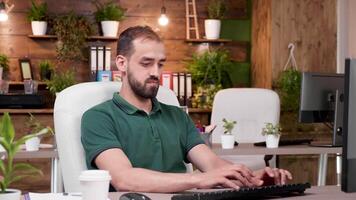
column 50, row 153
column 315, row 193
column 250, row 149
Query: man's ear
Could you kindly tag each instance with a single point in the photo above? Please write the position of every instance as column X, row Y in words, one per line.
column 121, row 63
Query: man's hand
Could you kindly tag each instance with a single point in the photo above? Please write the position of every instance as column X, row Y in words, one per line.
column 232, row 176
column 271, row 176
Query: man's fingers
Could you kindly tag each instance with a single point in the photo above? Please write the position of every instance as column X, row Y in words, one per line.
column 283, row 176
column 270, row 172
column 230, row 184
column 277, row 177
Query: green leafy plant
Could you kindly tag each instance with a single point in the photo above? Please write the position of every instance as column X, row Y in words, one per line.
column 211, row 67
column 108, row 12
column 60, row 81
column 10, row 171
column 271, row 129
column 46, row 69
column 37, row 12
column 216, row 9
column 4, row 62
column 35, row 126
column 288, row 87
column 204, row 96
column 72, row 31
column 228, row 126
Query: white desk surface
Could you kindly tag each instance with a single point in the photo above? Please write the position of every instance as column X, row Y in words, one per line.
column 314, row 193
column 250, row 149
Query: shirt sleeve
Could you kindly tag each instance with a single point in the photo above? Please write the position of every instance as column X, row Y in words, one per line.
column 97, row 135
column 193, row 136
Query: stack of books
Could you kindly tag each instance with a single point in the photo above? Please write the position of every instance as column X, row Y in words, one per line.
column 100, row 64
column 181, row 84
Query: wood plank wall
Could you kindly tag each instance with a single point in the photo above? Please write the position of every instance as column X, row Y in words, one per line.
column 309, row 24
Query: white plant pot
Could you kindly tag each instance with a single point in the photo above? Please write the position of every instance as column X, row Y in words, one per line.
column 212, row 28
column 227, row 141
column 110, row 28
column 272, row 141
column 11, row 194
column 33, row 144
column 39, row 27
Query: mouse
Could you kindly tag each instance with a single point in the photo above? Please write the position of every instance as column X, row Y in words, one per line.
column 134, row 196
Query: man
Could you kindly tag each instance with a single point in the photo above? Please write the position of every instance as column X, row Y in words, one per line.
column 143, row 143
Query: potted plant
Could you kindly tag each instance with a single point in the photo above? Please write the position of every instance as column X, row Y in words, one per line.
column 10, row 171
column 4, row 65
column 37, row 15
column 72, row 31
column 216, row 11
column 60, row 81
column 35, row 127
column 272, row 133
column 109, row 15
column 228, row 139
column 46, row 69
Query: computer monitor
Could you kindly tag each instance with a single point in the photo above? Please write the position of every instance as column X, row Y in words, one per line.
column 321, row 101
column 348, row 181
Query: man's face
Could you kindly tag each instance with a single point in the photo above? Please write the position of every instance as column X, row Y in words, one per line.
column 144, row 67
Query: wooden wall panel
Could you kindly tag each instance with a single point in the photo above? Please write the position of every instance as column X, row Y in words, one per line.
column 261, row 44
column 311, row 26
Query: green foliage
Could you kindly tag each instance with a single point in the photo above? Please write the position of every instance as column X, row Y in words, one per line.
column 216, row 9
column 60, row 81
column 72, row 31
column 9, row 171
column 35, row 126
column 108, row 12
column 204, row 96
column 271, row 129
column 37, row 12
column 288, row 87
column 211, row 67
column 228, row 126
column 46, row 69
column 4, row 62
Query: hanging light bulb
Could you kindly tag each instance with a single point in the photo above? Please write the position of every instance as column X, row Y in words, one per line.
column 163, row 19
column 3, row 13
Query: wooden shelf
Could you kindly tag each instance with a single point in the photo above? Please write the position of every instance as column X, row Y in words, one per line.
column 199, row 110
column 89, row 38
column 25, row 111
column 207, row 41
column 21, row 82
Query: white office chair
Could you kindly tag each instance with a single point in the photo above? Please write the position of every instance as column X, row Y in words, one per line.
column 69, row 107
column 251, row 108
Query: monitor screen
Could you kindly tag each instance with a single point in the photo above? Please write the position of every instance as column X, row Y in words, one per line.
column 318, row 96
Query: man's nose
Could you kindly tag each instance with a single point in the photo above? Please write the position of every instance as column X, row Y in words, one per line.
column 155, row 71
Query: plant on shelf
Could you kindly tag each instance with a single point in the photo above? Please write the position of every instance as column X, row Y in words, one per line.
column 60, row 81
column 228, row 139
column 72, row 31
column 10, row 171
column 37, row 15
column 4, row 65
column 109, row 15
column 272, row 133
column 35, row 127
column 46, row 69
column 209, row 74
column 216, row 11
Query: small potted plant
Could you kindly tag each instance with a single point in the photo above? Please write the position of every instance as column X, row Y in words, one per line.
column 11, row 171
column 60, row 81
column 272, row 133
column 216, row 11
column 109, row 15
column 46, row 69
column 4, row 65
column 37, row 15
column 228, row 139
column 35, row 127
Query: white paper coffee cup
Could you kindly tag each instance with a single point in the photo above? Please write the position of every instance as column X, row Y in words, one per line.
column 95, row 184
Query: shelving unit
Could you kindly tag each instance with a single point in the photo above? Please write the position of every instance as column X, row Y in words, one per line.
column 25, row 111
column 89, row 38
column 207, row 41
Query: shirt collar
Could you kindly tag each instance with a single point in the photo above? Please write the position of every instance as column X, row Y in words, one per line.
column 131, row 109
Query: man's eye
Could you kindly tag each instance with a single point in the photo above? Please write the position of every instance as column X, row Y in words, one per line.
column 145, row 64
column 160, row 65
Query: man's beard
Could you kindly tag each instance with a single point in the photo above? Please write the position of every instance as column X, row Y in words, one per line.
column 142, row 90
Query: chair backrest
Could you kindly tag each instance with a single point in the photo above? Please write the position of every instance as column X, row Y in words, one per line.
column 69, row 107
column 251, row 108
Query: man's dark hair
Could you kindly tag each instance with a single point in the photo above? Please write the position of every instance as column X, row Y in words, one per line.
column 125, row 45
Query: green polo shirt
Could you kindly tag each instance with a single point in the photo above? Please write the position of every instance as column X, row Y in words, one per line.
column 158, row 141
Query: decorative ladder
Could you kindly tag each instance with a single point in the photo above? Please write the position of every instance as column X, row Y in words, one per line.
column 191, row 19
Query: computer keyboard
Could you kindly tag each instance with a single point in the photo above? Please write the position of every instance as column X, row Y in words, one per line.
column 246, row 193
column 287, row 142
